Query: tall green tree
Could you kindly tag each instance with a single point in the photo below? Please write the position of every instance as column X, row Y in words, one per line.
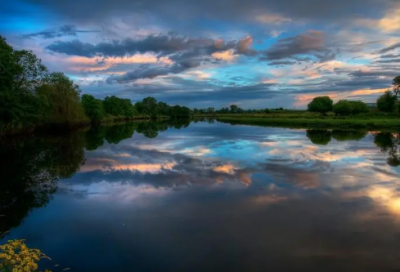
column 234, row 108
column 93, row 107
column 396, row 86
column 321, row 104
column 387, row 102
column 150, row 106
column 62, row 99
column 9, row 66
column 342, row 107
column 358, row 107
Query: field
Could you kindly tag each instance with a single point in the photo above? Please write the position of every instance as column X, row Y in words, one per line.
column 304, row 119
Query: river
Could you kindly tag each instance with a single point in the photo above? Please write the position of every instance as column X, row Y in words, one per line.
column 205, row 196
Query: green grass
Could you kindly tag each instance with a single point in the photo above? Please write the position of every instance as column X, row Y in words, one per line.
column 317, row 122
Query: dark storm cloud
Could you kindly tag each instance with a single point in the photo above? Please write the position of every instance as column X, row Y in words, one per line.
column 153, row 72
column 66, row 30
column 390, row 48
column 373, row 73
column 158, row 44
column 311, row 43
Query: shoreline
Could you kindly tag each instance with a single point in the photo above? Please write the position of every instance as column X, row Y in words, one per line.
column 69, row 127
column 315, row 123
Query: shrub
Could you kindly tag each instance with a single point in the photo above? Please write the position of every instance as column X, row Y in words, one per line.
column 343, row 107
column 321, row 104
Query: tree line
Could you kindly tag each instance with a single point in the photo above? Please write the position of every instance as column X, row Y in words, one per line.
column 388, row 102
column 233, row 109
column 32, row 96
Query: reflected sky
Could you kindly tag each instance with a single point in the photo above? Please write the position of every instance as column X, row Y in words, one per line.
column 216, row 197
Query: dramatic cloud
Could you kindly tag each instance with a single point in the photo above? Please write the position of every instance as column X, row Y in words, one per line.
column 66, row 30
column 197, row 52
column 311, row 44
column 390, row 48
column 158, row 44
column 152, row 72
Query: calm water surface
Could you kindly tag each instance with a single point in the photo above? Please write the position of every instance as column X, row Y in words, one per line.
column 205, row 197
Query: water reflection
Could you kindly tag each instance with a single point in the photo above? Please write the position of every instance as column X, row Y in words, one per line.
column 29, row 172
column 209, row 197
column 31, row 167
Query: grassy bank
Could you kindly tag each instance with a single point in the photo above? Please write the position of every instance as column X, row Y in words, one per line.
column 327, row 122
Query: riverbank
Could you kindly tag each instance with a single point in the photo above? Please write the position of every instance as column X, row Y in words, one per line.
column 323, row 123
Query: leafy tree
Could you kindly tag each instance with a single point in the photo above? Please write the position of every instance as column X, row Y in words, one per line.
column 319, row 137
column 210, row 110
column 62, row 99
column 396, row 86
column 150, row 106
column 358, row 107
column 387, row 102
column 342, row 107
column 321, row 104
column 112, row 106
column 139, row 106
column 163, row 108
column 234, row 108
column 129, row 110
column 93, row 107
column 9, row 66
column 180, row 112
column 32, row 74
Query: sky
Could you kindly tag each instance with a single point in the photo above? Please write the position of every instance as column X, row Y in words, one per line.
column 254, row 53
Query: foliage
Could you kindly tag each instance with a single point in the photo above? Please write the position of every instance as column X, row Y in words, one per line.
column 321, row 104
column 387, row 102
column 15, row 256
column 234, row 108
column 342, row 107
column 396, row 86
column 345, row 107
column 358, row 107
column 61, row 100
column 93, row 107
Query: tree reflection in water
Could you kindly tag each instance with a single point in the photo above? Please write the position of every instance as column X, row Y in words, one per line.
column 31, row 167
